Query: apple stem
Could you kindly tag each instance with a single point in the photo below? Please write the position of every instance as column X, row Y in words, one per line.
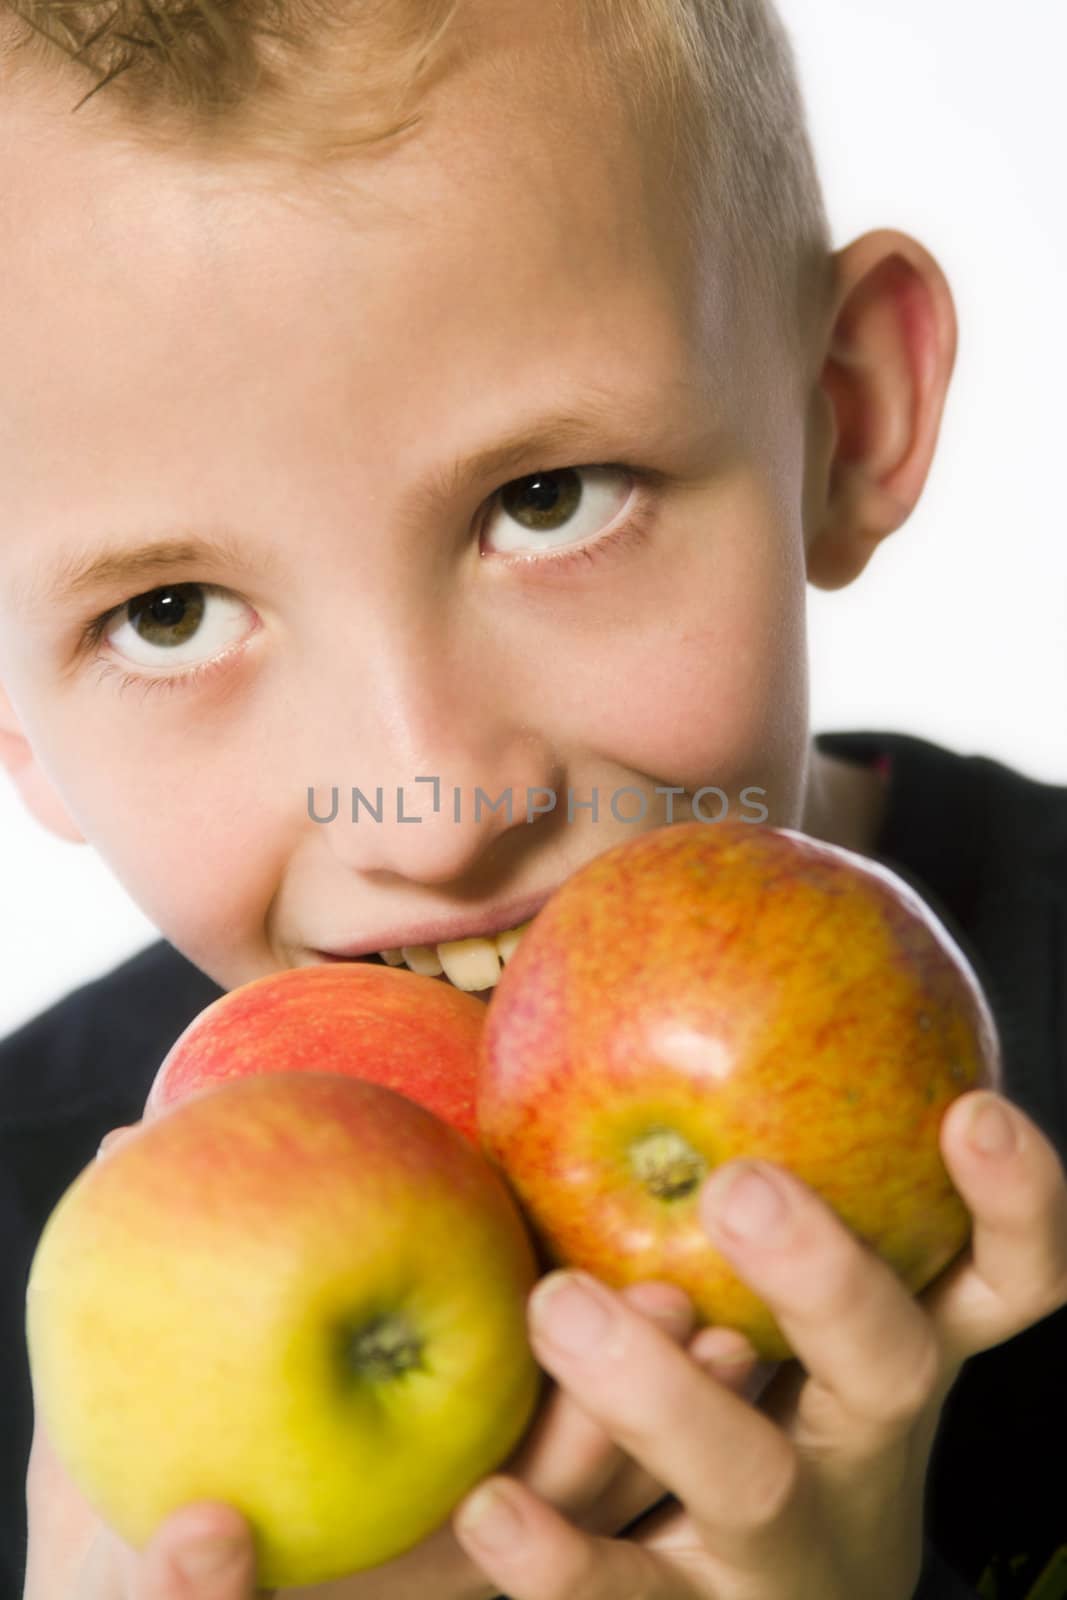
column 383, row 1348
column 667, row 1164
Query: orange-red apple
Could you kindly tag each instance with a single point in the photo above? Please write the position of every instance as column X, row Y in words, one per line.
column 384, row 1024
column 706, row 992
column 301, row 1295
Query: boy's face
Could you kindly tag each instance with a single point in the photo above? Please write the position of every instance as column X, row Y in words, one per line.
column 187, row 355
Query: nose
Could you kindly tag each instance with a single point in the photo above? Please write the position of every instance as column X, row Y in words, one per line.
column 443, row 824
column 455, row 783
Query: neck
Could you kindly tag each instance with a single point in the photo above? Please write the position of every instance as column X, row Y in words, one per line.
column 845, row 803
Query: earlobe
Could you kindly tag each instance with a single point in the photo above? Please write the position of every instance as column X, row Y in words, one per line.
column 892, row 349
column 39, row 795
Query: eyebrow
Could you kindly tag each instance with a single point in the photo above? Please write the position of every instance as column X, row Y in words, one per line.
column 76, row 576
column 579, row 427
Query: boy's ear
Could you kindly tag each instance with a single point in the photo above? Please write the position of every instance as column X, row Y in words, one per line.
column 893, row 333
column 29, row 778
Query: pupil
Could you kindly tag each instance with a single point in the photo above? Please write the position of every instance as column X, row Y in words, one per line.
column 163, row 609
column 167, row 616
column 544, row 500
column 543, row 491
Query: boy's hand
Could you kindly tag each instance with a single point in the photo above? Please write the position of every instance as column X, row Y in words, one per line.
column 566, row 1460
column 817, row 1495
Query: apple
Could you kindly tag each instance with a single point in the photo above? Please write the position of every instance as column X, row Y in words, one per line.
column 302, row 1295
column 384, row 1024
column 705, row 992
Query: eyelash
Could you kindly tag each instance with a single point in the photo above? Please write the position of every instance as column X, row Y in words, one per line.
column 627, row 533
column 183, row 677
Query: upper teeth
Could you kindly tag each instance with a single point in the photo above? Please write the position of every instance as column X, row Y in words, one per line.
column 467, row 963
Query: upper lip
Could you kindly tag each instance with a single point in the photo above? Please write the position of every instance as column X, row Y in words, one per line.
column 444, row 929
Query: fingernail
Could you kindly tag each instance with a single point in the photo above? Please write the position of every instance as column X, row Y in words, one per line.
column 488, row 1517
column 722, row 1347
column 208, row 1558
column 672, row 1319
column 989, row 1129
column 747, row 1203
column 565, row 1309
column 675, row 1315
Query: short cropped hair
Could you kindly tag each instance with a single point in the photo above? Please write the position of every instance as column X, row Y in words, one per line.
column 313, row 80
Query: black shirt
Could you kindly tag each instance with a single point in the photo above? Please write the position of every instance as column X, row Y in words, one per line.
column 985, row 846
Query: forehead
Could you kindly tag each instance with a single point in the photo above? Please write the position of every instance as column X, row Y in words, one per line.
column 182, row 330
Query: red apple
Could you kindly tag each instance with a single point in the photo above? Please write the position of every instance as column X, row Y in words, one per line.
column 384, row 1024
column 705, row 992
column 301, row 1295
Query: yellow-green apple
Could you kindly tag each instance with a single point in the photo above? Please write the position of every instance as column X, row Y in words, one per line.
column 706, row 992
column 301, row 1295
column 384, row 1024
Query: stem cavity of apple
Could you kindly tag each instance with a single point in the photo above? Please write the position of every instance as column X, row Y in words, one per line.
column 667, row 1164
column 382, row 1349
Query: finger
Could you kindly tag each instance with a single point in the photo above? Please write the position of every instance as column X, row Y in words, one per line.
column 569, row 1460
column 864, row 1341
column 203, row 1552
column 64, row 1530
column 528, row 1550
column 732, row 1468
column 729, row 1358
column 1015, row 1272
column 669, row 1307
column 724, row 1355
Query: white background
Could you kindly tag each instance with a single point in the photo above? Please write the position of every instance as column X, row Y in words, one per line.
column 944, row 121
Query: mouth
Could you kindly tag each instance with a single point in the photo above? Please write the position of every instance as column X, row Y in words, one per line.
column 472, row 964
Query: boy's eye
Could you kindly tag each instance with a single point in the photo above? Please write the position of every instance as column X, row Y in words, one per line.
column 549, row 509
column 187, row 625
column 167, row 626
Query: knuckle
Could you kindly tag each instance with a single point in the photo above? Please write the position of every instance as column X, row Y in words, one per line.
column 1044, row 1178
column 916, row 1383
column 1054, row 1196
column 621, row 1570
column 847, row 1282
column 1052, row 1299
column 583, row 1576
column 660, row 1402
column 772, row 1487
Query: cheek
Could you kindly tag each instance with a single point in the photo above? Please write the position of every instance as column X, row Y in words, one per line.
column 707, row 682
column 182, row 829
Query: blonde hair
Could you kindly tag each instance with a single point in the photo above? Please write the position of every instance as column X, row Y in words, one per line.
column 314, row 80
